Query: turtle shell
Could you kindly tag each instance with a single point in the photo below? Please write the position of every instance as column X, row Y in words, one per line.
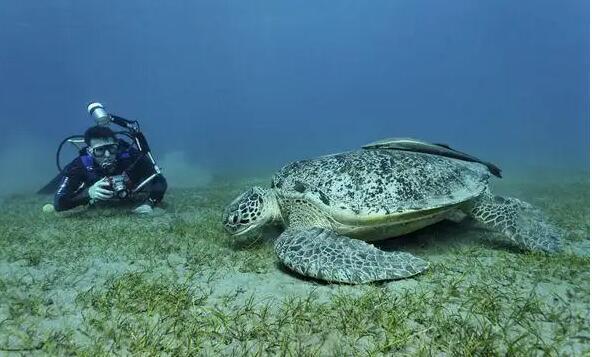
column 381, row 182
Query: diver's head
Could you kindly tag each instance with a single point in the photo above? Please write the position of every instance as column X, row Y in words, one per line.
column 250, row 210
column 102, row 146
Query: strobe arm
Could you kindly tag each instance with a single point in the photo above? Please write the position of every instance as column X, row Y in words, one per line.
column 134, row 128
column 131, row 125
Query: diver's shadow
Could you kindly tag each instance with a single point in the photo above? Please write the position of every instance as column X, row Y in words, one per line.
column 114, row 209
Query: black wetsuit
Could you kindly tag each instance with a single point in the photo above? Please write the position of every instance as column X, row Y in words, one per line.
column 82, row 173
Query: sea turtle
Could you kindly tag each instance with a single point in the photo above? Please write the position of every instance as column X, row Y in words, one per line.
column 332, row 205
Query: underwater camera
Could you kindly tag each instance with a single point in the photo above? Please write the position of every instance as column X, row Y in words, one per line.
column 119, row 185
column 130, row 137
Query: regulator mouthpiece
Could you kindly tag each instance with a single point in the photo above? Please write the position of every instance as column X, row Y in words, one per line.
column 107, row 165
column 97, row 111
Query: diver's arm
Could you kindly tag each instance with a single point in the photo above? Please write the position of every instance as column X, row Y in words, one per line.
column 157, row 187
column 69, row 194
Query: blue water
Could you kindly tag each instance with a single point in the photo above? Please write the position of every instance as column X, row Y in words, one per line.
column 242, row 84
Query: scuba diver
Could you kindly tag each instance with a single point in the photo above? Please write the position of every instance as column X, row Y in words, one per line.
column 108, row 168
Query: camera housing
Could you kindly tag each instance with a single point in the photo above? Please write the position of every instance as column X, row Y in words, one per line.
column 120, row 186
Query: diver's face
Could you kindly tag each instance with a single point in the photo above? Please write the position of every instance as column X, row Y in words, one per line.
column 245, row 213
column 104, row 152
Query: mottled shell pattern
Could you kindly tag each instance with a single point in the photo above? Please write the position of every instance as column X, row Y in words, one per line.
column 382, row 182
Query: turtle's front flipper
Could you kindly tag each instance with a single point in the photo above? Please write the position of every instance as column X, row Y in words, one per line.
column 323, row 254
column 517, row 220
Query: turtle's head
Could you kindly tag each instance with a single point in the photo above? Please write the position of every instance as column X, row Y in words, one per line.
column 250, row 210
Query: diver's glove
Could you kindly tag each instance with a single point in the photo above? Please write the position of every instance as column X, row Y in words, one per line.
column 99, row 192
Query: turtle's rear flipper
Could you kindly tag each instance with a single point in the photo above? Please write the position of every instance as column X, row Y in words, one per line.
column 322, row 254
column 523, row 224
column 410, row 144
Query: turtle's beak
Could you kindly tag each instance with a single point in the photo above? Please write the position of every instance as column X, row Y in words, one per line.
column 231, row 220
column 235, row 221
column 244, row 213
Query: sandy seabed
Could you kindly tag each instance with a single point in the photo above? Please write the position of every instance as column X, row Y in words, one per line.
column 102, row 281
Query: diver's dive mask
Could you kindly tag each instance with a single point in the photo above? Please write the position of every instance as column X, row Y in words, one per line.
column 105, row 155
column 101, row 151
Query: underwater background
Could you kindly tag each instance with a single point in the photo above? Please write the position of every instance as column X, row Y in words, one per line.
column 229, row 91
column 230, row 86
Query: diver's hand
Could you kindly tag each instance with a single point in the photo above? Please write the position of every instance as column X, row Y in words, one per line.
column 99, row 192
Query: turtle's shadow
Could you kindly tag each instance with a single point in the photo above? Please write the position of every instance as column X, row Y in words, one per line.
column 441, row 235
column 439, row 238
column 444, row 237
